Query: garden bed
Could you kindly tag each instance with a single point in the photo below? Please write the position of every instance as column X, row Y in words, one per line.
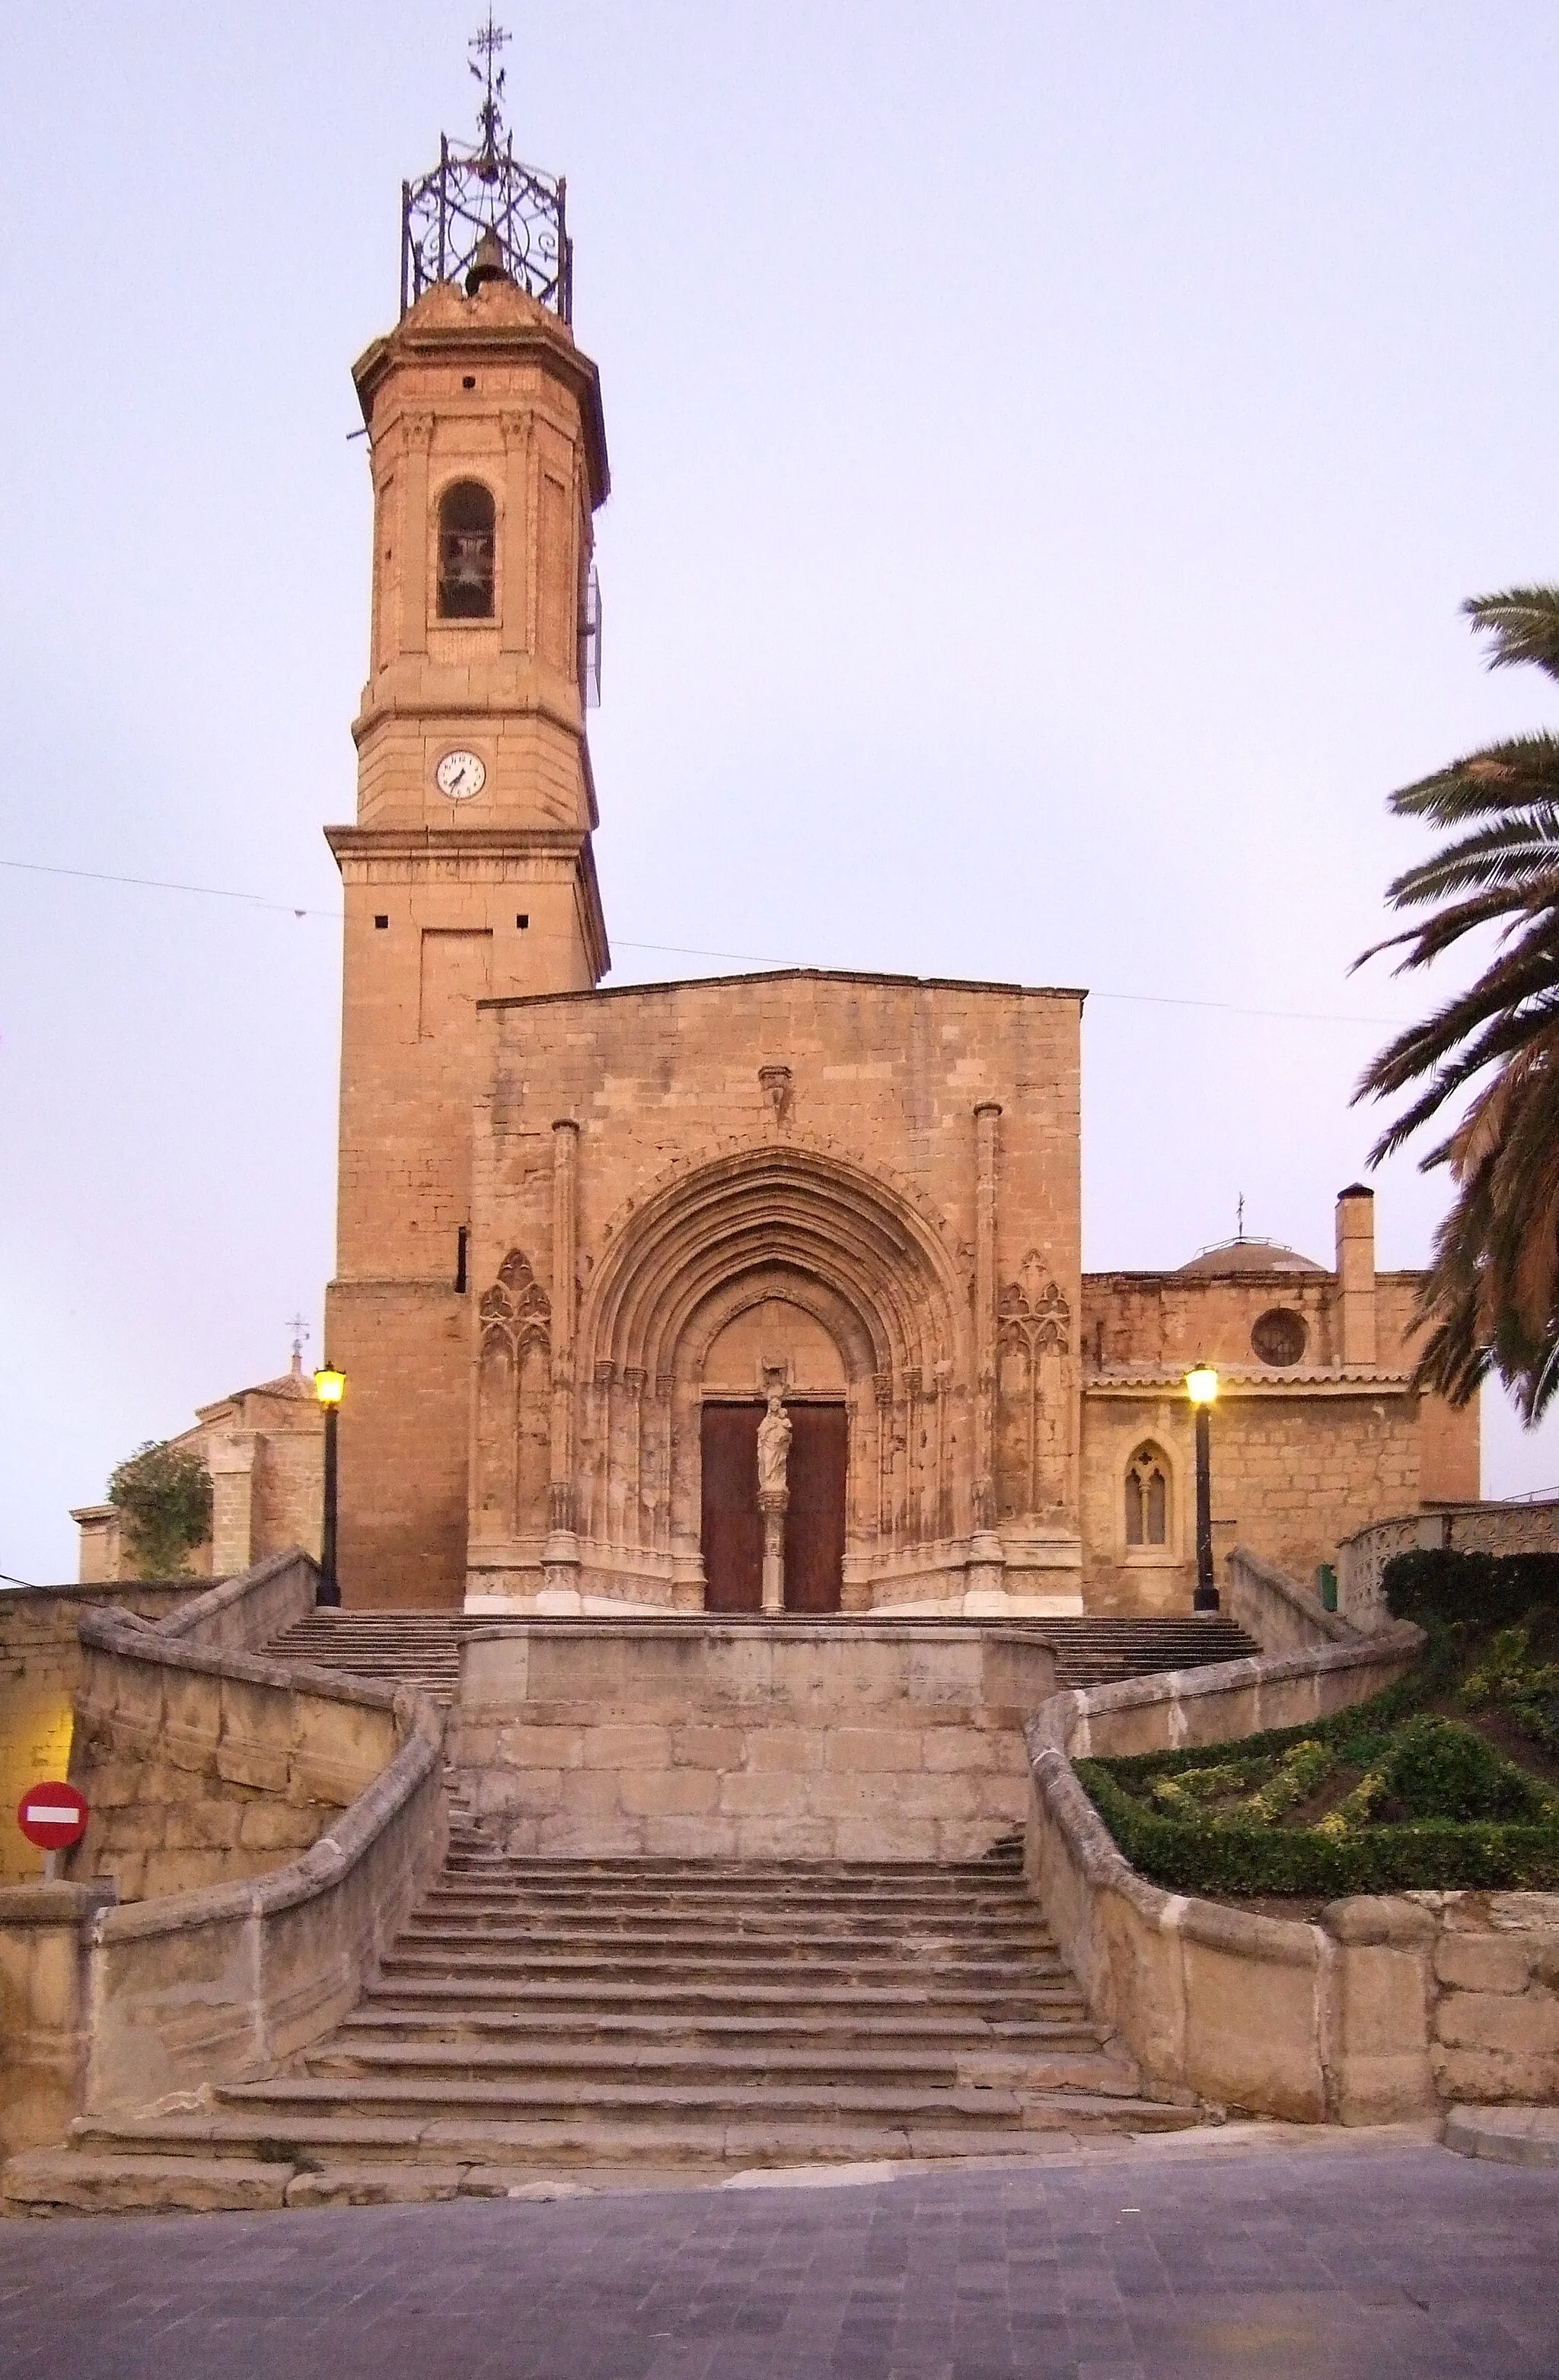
column 1448, row 1780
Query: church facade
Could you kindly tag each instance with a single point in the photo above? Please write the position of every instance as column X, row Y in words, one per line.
column 586, row 1233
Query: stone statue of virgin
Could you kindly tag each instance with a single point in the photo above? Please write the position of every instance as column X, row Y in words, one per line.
column 773, row 1447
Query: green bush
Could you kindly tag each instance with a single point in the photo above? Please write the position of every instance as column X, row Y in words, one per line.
column 164, row 1495
column 1431, row 1803
column 1486, row 1590
column 1438, row 1768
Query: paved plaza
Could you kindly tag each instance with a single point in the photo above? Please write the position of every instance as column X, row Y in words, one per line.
column 1177, row 2260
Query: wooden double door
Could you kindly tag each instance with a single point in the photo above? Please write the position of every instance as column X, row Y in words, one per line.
column 814, row 1521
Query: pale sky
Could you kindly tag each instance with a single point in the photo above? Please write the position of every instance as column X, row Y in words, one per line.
column 1049, row 446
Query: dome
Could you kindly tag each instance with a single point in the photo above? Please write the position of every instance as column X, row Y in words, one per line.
column 1249, row 1256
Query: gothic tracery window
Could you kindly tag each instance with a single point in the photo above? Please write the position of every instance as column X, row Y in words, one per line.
column 467, row 526
column 1146, row 1499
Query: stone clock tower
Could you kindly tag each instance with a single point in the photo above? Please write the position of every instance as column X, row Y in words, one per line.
column 468, row 874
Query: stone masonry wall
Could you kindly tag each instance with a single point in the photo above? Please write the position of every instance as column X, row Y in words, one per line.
column 768, row 1741
column 196, row 1777
column 1292, row 1475
column 40, row 1671
column 1493, row 1978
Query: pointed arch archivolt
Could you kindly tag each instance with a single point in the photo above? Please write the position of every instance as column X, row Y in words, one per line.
column 808, row 1227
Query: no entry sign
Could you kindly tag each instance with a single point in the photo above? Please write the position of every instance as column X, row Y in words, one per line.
column 52, row 1816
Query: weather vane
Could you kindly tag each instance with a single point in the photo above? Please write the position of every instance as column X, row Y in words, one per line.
column 490, row 40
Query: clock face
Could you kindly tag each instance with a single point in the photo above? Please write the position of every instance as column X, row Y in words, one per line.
column 460, row 774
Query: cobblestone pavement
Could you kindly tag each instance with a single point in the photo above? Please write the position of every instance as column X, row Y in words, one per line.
column 1175, row 2261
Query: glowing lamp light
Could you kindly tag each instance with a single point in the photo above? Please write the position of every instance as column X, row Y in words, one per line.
column 1201, row 1384
column 329, row 1384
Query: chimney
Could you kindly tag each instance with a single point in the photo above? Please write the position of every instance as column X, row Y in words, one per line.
column 1356, row 1273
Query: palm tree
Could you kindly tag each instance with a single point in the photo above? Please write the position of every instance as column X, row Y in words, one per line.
column 1490, row 1298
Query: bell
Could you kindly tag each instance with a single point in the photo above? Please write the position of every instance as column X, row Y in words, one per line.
column 488, row 264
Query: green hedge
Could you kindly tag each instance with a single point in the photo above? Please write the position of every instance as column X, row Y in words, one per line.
column 1474, row 1820
column 1436, row 1855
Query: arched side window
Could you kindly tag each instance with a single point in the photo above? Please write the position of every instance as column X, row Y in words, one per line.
column 466, row 521
column 1146, row 1499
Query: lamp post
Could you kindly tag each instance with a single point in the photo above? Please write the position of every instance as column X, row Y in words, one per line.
column 1201, row 1387
column 329, row 1387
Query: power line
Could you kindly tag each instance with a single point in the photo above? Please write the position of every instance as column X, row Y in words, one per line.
column 686, row 950
column 164, row 884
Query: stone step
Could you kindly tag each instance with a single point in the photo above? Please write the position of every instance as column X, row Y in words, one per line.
column 371, row 2024
column 771, row 1957
column 473, row 1991
column 740, row 1940
column 200, row 2164
column 725, row 2065
column 956, row 1977
column 625, row 2104
column 479, row 1895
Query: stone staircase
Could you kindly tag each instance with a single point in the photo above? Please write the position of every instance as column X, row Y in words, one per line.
column 1095, row 1652
column 640, row 2017
column 424, row 1647
column 420, row 1646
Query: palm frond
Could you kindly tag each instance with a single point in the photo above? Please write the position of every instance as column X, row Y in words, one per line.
column 1524, row 622
column 1490, row 1300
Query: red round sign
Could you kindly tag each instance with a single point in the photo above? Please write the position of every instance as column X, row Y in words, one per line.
column 52, row 1816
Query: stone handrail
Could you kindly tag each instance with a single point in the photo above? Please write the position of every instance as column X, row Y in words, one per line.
column 1282, row 1616
column 1308, row 2021
column 245, row 1612
column 130, row 2002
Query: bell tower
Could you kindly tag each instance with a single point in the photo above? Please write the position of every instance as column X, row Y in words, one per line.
column 468, row 871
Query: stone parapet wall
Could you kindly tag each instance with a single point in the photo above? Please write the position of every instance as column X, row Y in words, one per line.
column 1484, row 1528
column 1282, row 1615
column 44, row 2004
column 40, row 1671
column 221, row 1984
column 781, row 1739
column 200, row 1767
column 202, row 1764
column 1388, row 2007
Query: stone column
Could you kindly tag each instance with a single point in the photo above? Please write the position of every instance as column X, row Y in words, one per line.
column 985, row 1564
column 514, row 575
column 416, row 595
column 561, row 1558
column 773, row 1503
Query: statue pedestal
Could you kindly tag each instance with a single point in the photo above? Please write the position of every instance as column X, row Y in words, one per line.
column 771, row 1503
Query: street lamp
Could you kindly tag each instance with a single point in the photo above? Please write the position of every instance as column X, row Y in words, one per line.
column 329, row 1387
column 1201, row 1387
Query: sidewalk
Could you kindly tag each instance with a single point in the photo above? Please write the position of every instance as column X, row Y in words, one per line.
column 1261, row 2249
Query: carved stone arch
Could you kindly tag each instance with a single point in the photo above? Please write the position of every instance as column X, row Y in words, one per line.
column 866, row 1262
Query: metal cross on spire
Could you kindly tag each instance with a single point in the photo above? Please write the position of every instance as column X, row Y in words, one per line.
column 489, row 42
